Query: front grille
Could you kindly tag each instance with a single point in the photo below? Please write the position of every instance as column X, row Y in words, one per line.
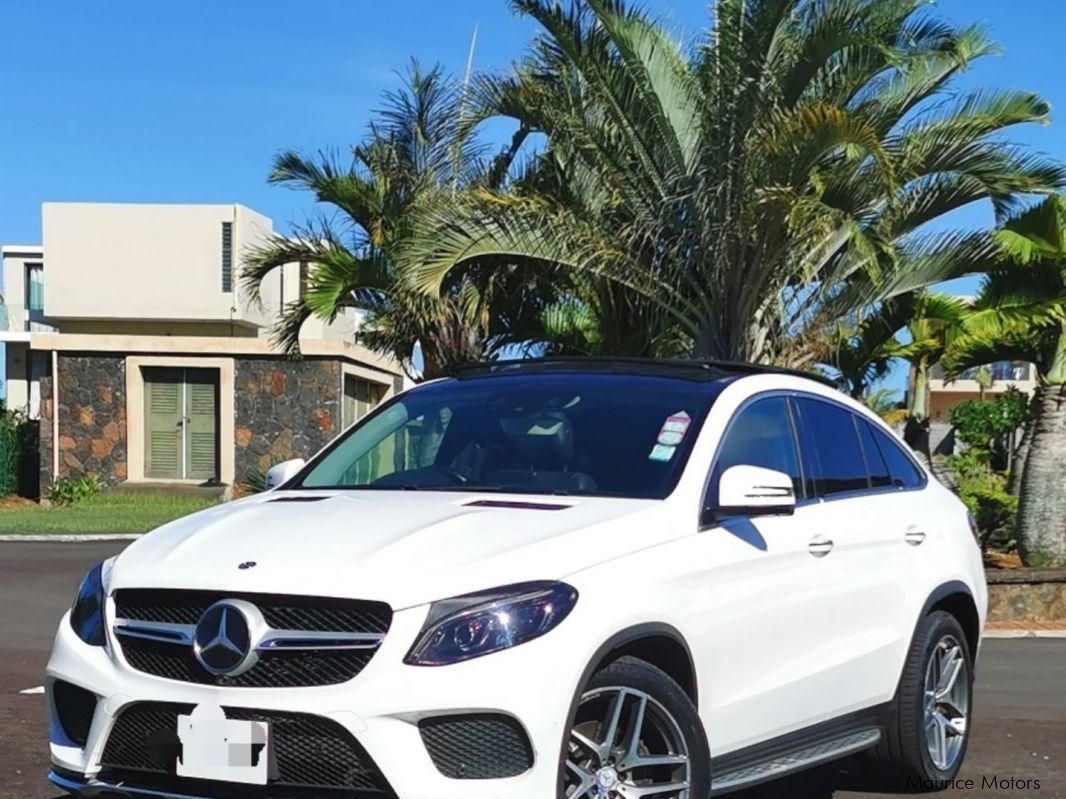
column 74, row 707
column 315, row 614
column 274, row 669
column 481, row 746
column 310, row 752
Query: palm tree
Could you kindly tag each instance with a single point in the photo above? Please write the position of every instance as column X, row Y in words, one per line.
column 779, row 173
column 985, row 379
column 933, row 317
column 416, row 149
column 1020, row 314
column 884, row 402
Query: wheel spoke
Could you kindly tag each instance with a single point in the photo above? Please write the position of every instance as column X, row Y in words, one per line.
column 950, row 667
column 612, row 722
column 631, row 746
column 956, row 726
column 585, row 781
column 584, row 742
column 941, row 740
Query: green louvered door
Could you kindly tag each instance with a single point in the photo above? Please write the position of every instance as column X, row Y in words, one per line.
column 181, row 423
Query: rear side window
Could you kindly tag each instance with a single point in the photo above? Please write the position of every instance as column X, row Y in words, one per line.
column 761, row 435
column 880, row 476
column 905, row 473
column 831, row 450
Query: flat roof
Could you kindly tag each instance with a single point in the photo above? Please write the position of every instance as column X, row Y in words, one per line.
column 20, row 249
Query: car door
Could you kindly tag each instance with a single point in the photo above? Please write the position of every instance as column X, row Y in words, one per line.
column 860, row 523
column 765, row 626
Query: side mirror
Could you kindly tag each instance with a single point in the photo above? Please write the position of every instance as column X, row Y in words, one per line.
column 752, row 491
column 283, row 472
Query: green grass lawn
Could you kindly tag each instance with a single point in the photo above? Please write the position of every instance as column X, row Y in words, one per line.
column 103, row 513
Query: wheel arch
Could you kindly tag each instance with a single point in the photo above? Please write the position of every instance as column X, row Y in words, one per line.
column 957, row 599
column 657, row 643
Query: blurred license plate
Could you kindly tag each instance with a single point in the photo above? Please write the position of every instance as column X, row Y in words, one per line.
column 216, row 748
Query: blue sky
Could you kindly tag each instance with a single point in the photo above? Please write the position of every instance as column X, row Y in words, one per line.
column 187, row 102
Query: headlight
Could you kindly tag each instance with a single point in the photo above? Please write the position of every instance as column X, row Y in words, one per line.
column 87, row 613
column 478, row 624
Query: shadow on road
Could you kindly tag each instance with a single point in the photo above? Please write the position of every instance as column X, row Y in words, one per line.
column 854, row 775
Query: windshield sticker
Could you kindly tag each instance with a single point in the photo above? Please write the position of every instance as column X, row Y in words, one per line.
column 672, row 432
column 661, row 452
column 670, row 438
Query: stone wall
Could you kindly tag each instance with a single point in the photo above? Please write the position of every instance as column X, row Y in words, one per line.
column 284, row 409
column 92, row 419
column 1027, row 595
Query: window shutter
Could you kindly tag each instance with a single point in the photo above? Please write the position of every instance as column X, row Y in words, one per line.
column 200, row 436
column 163, row 409
column 227, row 257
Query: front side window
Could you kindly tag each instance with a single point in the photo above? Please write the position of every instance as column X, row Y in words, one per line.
column 597, row 435
column 830, row 444
column 761, row 435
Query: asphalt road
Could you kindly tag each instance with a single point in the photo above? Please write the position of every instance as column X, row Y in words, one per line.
column 1019, row 732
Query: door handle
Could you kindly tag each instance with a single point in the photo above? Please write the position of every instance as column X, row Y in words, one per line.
column 820, row 547
column 914, row 536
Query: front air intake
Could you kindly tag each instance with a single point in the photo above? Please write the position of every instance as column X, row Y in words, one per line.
column 481, row 746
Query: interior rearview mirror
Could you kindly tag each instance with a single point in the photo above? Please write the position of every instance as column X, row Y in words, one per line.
column 752, row 491
column 283, row 472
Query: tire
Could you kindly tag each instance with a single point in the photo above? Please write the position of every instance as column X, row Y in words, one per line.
column 926, row 752
column 671, row 748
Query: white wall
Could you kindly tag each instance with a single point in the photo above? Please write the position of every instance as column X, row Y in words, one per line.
column 144, row 261
column 14, row 290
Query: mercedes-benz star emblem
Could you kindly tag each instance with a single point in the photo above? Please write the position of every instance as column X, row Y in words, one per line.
column 224, row 643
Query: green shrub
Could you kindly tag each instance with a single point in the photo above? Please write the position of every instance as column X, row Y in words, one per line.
column 984, row 493
column 19, row 460
column 979, row 424
column 67, row 491
column 9, row 453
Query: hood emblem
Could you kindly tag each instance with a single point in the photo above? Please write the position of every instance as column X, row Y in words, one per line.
column 225, row 638
column 248, row 564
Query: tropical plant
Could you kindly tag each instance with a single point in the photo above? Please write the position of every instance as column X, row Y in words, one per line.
column 416, row 149
column 933, row 319
column 885, row 403
column 778, row 175
column 70, row 490
column 982, row 424
column 1019, row 314
column 985, row 379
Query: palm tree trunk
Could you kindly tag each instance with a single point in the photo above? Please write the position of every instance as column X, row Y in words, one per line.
column 1017, row 466
column 1042, row 502
column 918, row 401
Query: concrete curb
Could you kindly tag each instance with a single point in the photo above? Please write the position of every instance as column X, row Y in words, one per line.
column 1024, row 634
column 67, row 538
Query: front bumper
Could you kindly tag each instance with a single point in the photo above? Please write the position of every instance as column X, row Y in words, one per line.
column 381, row 709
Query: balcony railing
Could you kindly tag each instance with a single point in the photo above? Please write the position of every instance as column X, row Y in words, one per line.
column 1002, row 371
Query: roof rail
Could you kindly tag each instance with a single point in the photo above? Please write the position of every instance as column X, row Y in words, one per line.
column 690, row 369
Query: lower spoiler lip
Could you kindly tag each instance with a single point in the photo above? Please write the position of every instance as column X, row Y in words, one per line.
column 89, row 787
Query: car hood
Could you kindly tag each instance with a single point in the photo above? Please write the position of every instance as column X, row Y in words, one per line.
column 403, row 548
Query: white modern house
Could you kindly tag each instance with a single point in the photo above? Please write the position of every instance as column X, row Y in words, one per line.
column 126, row 333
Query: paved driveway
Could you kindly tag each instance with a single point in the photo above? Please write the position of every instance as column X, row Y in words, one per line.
column 1019, row 733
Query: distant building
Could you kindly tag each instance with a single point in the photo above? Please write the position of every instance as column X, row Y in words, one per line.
column 946, row 394
column 127, row 335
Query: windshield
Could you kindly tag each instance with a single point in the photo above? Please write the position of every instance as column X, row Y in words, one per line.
column 600, row 435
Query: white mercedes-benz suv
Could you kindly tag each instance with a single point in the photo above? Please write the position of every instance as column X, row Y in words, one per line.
column 537, row 579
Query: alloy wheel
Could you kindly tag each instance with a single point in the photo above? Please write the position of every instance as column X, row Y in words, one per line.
column 626, row 745
column 947, row 703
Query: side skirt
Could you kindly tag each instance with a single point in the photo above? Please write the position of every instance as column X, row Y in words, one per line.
column 822, row 743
